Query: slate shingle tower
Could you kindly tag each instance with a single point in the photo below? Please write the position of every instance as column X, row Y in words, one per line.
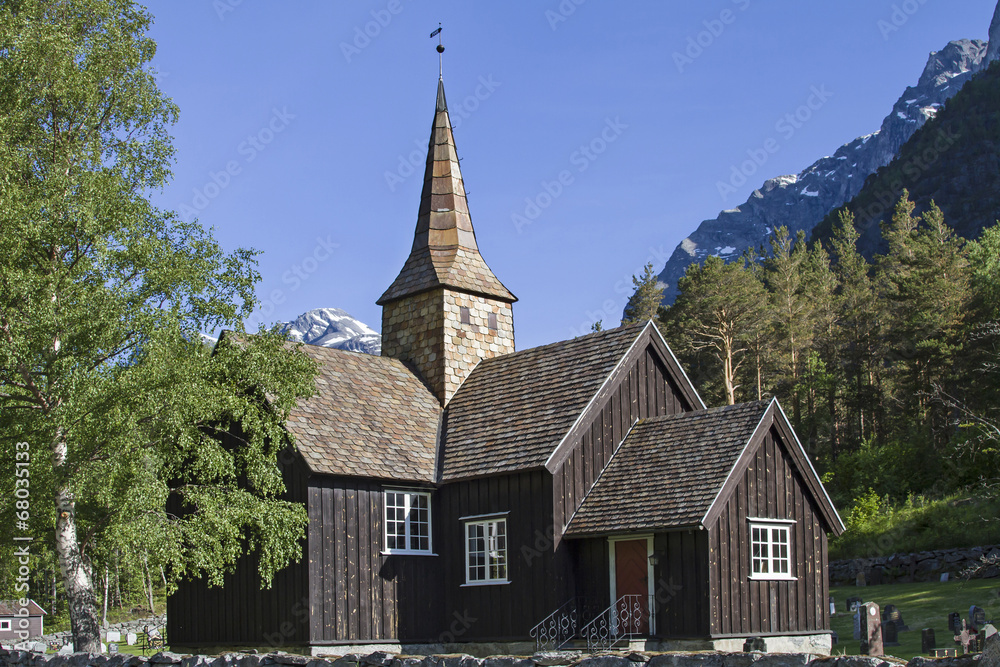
column 445, row 311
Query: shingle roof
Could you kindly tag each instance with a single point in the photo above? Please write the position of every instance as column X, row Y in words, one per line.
column 668, row 470
column 444, row 251
column 513, row 410
column 371, row 416
column 10, row 608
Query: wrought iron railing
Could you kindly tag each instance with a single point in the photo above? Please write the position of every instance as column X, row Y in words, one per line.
column 627, row 618
column 558, row 628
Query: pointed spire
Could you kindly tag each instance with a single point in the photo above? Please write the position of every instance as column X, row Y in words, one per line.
column 444, row 252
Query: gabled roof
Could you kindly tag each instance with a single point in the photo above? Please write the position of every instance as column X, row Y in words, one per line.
column 371, row 417
column 671, row 472
column 512, row 411
column 11, row 607
column 668, row 470
column 444, row 252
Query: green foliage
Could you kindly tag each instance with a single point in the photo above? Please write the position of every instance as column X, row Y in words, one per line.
column 102, row 301
column 645, row 301
column 877, row 526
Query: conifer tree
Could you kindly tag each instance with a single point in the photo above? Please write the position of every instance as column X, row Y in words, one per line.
column 644, row 304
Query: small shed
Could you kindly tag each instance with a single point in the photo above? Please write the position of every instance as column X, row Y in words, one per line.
column 19, row 621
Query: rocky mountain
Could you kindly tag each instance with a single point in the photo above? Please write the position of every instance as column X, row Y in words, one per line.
column 954, row 161
column 333, row 327
column 800, row 201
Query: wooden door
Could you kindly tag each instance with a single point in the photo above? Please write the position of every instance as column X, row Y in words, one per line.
column 632, row 580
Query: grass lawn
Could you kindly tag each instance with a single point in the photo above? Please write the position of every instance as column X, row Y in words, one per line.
column 922, row 605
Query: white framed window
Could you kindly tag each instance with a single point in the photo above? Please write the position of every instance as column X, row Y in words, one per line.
column 4, row 624
column 771, row 549
column 486, row 552
column 407, row 522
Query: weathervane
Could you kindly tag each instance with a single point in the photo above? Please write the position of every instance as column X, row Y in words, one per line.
column 440, row 50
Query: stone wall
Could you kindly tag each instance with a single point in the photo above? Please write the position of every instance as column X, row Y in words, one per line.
column 380, row 659
column 921, row 566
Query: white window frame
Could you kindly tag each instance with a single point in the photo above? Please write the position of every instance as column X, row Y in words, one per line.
column 772, row 557
column 5, row 625
column 490, row 525
column 408, row 495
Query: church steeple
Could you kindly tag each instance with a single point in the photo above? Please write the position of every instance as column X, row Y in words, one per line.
column 445, row 310
column 444, row 249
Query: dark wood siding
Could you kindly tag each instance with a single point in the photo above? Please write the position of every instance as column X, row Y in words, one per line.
column 198, row 614
column 539, row 573
column 357, row 593
column 643, row 389
column 771, row 488
column 680, row 584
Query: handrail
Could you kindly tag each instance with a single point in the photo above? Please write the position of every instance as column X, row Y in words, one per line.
column 558, row 628
column 623, row 620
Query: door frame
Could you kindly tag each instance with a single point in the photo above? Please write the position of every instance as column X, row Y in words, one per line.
column 612, row 575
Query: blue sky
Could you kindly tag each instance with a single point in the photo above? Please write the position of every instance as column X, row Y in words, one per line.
column 301, row 122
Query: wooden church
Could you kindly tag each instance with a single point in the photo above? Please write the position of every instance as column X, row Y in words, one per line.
column 467, row 497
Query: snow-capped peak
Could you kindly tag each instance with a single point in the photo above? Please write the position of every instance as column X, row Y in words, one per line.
column 333, row 327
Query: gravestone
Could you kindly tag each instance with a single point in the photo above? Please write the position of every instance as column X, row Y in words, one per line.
column 38, row 647
column 130, row 639
column 890, row 634
column 852, row 604
column 875, row 577
column 977, row 617
column 857, row 624
column 892, row 615
column 860, row 579
column 66, row 649
column 112, row 648
column 871, row 629
column 964, row 637
column 944, row 576
column 114, row 636
column 988, row 630
column 833, row 606
column 834, row 638
column 755, row 644
column 944, row 653
column 955, row 622
column 927, row 641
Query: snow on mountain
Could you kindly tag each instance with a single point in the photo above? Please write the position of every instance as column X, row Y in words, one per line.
column 333, row 327
column 801, row 201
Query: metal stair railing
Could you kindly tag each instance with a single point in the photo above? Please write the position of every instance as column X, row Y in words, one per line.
column 558, row 628
column 625, row 619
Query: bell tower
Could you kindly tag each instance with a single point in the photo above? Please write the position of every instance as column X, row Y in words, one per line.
column 445, row 311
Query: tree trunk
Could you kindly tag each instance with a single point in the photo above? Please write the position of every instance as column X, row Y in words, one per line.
column 104, row 603
column 118, row 582
column 148, row 581
column 76, row 578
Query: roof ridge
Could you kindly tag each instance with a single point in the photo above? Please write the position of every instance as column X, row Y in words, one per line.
column 593, row 335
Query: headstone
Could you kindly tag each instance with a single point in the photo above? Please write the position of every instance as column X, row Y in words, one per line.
column 833, row 606
column 112, row 648
column 944, row 653
column 988, row 630
column 871, row 629
column 955, row 622
column 890, row 635
column 964, row 637
column 130, row 639
column 944, row 576
column 834, row 638
column 977, row 617
column 104, row 648
column 857, row 624
column 859, row 580
column 927, row 641
column 66, row 649
column 875, row 577
column 755, row 644
column 892, row 615
column 114, row 636
column 38, row 647
column 852, row 604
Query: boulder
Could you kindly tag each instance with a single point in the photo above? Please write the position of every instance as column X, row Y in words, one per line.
column 549, row 658
column 166, row 658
